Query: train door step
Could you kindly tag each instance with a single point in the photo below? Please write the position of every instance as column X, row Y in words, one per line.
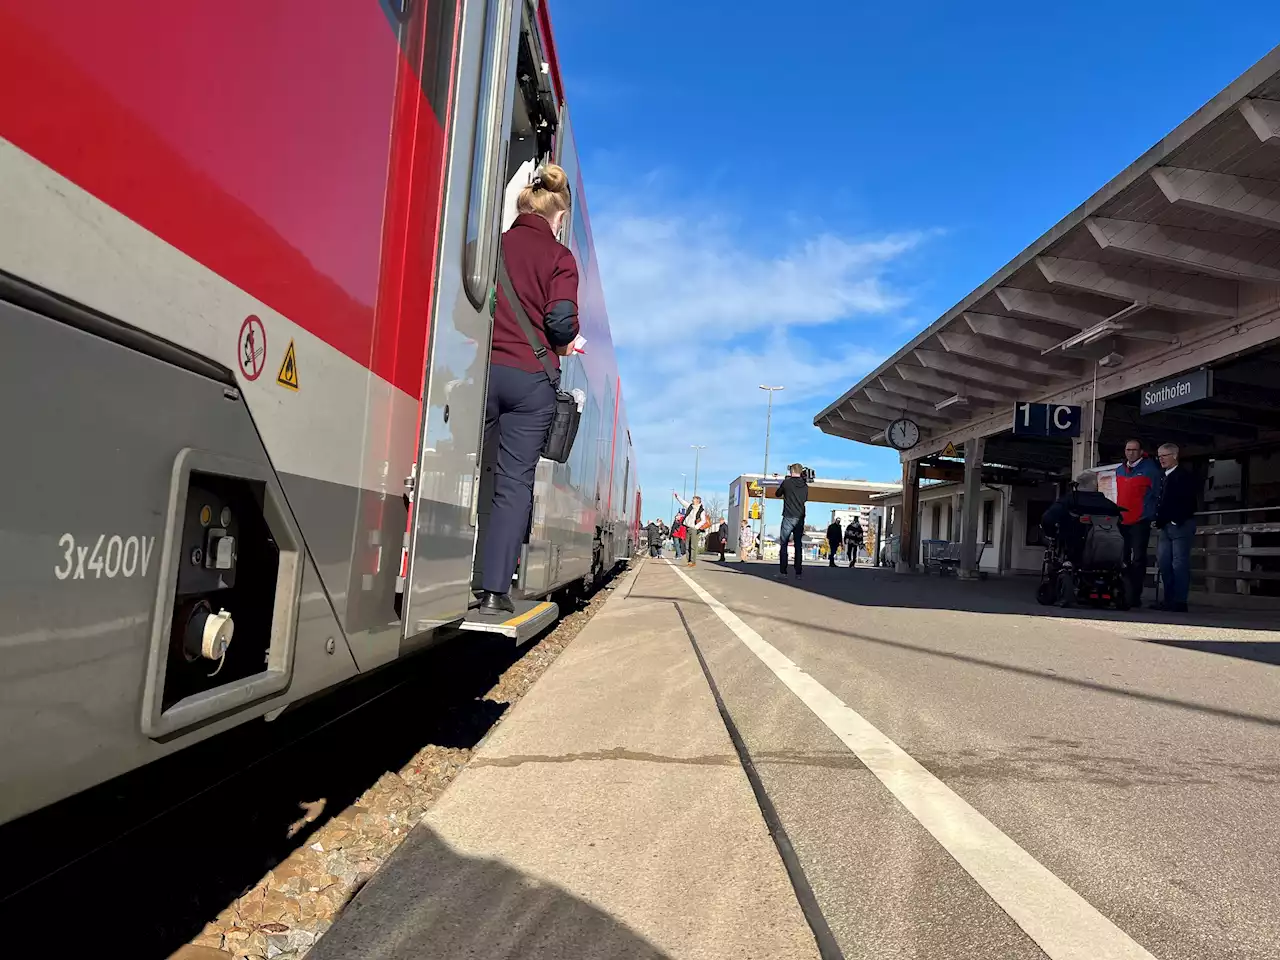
column 530, row 619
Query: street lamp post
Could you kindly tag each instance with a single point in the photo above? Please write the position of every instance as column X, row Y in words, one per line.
column 768, row 424
column 684, row 486
column 697, row 455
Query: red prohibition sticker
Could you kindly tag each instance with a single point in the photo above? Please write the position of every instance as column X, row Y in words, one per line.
column 252, row 350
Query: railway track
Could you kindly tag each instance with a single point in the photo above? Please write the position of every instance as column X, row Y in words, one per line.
column 151, row 861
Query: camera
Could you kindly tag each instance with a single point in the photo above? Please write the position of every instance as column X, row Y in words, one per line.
column 808, row 474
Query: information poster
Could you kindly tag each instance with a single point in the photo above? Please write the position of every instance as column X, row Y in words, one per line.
column 1107, row 481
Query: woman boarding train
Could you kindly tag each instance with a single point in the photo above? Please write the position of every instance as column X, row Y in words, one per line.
column 521, row 399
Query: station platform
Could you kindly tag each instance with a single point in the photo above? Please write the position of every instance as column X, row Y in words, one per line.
column 608, row 817
column 935, row 770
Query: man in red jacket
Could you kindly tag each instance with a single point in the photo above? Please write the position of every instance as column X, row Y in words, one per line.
column 1138, row 482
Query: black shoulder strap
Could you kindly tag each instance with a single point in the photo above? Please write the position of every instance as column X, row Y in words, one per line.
column 539, row 348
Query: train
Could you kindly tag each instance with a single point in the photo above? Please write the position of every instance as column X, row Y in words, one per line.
column 247, row 260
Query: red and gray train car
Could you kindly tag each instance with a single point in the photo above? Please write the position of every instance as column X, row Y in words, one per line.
column 247, row 253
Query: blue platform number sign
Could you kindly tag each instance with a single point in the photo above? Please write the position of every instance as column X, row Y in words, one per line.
column 1046, row 420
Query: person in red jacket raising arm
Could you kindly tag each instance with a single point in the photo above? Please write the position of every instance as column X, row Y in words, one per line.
column 1137, row 492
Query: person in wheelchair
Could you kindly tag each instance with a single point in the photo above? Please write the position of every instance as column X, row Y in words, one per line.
column 1084, row 561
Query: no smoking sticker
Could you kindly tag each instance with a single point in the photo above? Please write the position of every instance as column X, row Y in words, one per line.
column 252, row 349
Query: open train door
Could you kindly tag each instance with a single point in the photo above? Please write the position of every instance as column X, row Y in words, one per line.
column 500, row 98
column 441, row 533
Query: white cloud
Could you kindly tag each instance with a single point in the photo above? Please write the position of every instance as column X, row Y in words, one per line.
column 753, row 313
column 669, row 276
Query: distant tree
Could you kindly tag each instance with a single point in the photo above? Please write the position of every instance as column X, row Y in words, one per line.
column 715, row 505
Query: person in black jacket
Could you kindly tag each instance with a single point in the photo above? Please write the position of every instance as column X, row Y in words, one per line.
column 1175, row 519
column 654, row 533
column 793, row 491
column 834, row 537
column 1063, row 521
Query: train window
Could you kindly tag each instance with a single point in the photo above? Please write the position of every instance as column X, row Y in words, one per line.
column 488, row 152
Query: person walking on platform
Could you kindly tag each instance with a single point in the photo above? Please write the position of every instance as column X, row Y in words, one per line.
column 678, row 534
column 723, row 532
column 523, row 375
column 852, row 541
column 696, row 519
column 1138, row 482
column 1175, row 519
column 654, row 532
column 793, row 491
column 746, row 541
column 834, row 538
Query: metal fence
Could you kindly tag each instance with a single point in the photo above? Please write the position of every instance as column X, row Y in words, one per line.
column 1234, row 551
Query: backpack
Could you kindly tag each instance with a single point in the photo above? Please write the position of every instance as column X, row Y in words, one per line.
column 1103, row 544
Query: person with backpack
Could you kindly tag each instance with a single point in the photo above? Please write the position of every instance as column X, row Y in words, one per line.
column 793, row 491
column 722, row 532
column 521, row 400
column 852, row 541
column 678, row 534
column 696, row 520
column 1062, row 521
column 654, row 532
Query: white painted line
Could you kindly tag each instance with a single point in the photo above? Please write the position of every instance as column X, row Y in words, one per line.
column 1059, row 920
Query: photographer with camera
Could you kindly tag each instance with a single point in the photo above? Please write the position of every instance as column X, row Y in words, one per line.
column 793, row 491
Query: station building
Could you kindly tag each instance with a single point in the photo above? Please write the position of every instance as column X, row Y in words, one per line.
column 1153, row 308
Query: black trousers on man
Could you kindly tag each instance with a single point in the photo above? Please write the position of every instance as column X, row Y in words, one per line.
column 1137, row 539
column 518, row 413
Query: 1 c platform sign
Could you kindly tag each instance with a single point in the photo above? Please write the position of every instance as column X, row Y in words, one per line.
column 1046, row 420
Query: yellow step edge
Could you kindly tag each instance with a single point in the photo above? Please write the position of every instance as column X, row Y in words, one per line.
column 528, row 614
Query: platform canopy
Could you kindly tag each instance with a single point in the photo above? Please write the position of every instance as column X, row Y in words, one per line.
column 1182, row 249
column 850, row 492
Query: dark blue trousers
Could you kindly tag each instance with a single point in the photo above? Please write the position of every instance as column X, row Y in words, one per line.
column 518, row 413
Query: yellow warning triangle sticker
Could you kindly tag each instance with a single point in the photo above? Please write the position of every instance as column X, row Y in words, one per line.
column 288, row 375
column 948, row 451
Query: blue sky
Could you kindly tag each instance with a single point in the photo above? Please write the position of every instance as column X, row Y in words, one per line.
column 788, row 192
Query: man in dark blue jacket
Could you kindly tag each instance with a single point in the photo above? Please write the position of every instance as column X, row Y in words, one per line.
column 1175, row 519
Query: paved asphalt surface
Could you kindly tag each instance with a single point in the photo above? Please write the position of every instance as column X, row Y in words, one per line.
column 1135, row 756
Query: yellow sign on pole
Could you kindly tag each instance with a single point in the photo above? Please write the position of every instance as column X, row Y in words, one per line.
column 950, row 450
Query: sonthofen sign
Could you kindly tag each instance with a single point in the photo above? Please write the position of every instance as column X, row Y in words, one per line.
column 1175, row 391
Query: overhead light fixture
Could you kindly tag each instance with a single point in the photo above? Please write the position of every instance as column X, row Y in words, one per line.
column 1109, row 327
column 955, row 401
column 1111, row 360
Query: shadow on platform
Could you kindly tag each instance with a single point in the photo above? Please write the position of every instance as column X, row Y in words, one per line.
column 875, row 589
column 430, row 901
column 1013, row 594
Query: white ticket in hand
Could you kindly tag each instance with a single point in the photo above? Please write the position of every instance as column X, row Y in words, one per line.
column 579, row 344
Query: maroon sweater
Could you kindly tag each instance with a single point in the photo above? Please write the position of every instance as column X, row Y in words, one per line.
column 545, row 278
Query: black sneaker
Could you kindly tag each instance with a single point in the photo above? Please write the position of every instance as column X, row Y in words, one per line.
column 780, row 575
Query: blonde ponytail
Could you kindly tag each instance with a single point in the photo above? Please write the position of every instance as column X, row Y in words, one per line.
column 547, row 194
